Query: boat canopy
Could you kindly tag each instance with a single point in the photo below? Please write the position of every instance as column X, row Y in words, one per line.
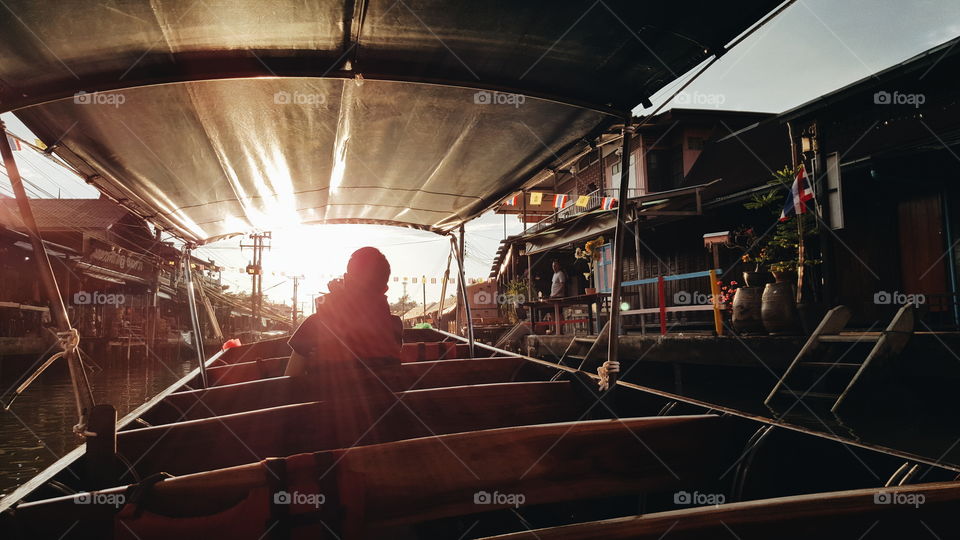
column 214, row 118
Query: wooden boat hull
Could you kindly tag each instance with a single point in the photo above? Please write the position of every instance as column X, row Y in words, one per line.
column 844, row 514
column 400, row 483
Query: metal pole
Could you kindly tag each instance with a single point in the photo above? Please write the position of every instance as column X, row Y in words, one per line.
column 58, row 311
column 614, row 341
column 296, row 283
column 194, row 318
column 463, row 288
column 443, row 288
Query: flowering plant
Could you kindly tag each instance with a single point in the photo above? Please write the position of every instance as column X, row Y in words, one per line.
column 726, row 292
column 590, row 254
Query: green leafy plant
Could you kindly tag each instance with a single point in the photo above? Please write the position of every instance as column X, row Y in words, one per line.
column 779, row 248
column 517, row 292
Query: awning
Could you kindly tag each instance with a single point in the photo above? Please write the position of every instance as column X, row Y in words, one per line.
column 580, row 228
column 577, row 230
column 104, row 277
column 227, row 118
column 107, row 274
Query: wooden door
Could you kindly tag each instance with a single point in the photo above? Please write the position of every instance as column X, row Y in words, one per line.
column 923, row 261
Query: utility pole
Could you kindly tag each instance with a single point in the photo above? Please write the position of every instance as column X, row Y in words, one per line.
column 296, row 307
column 423, row 280
column 255, row 269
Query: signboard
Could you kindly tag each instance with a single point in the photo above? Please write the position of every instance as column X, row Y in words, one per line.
column 118, row 260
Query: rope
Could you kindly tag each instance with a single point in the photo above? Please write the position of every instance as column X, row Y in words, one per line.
column 69, row 341
column 604, row 372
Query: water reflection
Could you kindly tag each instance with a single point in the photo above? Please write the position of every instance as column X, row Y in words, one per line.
column 37, row 429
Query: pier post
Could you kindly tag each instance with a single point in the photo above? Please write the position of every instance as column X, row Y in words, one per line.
column 101, row 451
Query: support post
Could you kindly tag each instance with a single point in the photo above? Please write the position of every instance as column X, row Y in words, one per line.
column 101, row 451
column 443, row 289
column 715, row 292
column 662, row 303
column 153, row 313
column 463, row 287
column 296, row 286
column 639, row 257
column 614, row 341
column 194, row 316
column 58, row 311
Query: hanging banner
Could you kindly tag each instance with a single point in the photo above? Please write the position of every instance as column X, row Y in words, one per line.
column 536, row 198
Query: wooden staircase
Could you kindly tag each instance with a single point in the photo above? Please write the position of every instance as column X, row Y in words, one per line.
column 886, row 345
column 585, row 352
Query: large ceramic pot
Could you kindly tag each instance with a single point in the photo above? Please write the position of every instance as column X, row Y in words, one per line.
column 747, row 318
column 778, row 309
column 757, row 279
column 788, row 276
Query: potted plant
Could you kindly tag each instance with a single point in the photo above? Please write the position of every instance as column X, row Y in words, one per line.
column 517, row 293
column 746, row 240
column 782, row 249
column 590, row 254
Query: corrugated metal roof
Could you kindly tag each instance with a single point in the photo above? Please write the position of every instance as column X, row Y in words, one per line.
column 69, row 214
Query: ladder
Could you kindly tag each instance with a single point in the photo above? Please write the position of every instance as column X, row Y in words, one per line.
column 886, row 344
column 582, row 350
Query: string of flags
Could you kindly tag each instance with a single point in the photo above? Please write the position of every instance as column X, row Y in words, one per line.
column 561, row 200
column 419, row 280
column 14, row 142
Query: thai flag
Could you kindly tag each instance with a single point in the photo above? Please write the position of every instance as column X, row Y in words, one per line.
column 14, row 143
column 608, row 203
column 512, row 201
column 800, row 193
column 560, row 200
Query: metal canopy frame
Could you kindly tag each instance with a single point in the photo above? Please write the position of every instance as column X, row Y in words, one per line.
column 247, row 65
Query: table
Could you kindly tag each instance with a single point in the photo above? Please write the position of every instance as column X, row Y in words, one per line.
column 556, row 304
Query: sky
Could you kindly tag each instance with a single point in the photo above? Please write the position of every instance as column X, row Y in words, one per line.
column 812, row 48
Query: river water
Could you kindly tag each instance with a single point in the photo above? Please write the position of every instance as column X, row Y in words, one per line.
column 37, row 430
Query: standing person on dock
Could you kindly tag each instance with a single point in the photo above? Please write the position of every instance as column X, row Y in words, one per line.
column 353, row 321
column 558, row 284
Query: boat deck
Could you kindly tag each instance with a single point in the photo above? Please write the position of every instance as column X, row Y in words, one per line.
column 464, row 447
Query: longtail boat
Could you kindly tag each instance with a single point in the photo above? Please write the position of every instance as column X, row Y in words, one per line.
column 220, row 119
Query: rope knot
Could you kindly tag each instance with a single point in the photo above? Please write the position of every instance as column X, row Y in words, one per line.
column 604, row 372
column 69, row 340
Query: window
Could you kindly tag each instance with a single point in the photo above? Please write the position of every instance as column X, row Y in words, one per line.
column 615, row 175
column 834, row 192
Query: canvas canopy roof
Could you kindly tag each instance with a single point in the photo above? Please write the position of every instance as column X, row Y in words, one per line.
column 220, row 117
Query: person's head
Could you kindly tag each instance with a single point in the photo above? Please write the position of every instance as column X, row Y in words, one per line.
column 556, row 266
column 368, row 270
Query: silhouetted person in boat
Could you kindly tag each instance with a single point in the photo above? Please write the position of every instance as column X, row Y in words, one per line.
column 352, row 322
